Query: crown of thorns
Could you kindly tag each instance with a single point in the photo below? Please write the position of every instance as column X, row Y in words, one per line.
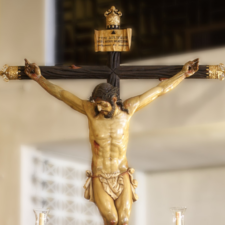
column 105, row 91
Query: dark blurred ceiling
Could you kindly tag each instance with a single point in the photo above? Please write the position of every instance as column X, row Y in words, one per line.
column 161, row 27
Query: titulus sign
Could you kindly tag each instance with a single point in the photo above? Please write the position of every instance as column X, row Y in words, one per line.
column 118, row 40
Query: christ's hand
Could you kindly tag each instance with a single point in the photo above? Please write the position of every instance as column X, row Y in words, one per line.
column 32, row 70
column 191, row 67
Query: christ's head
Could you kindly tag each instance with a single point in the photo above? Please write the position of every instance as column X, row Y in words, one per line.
column 106, row 98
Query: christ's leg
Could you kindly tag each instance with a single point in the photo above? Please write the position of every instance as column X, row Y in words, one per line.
column 105, row 203
column 124, row 202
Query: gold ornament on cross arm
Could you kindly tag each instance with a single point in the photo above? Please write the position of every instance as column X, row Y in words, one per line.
column 112, row 18
column 10, row 73
column 216, row 72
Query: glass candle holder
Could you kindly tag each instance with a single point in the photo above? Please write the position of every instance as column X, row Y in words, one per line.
column 41, row 216
column 178, row 215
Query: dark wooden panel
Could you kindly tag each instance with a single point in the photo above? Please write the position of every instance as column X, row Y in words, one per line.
column 154, row 72
column 103, row 72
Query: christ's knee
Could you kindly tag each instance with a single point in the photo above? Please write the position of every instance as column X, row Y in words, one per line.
column 111, row 220
column 124, row 221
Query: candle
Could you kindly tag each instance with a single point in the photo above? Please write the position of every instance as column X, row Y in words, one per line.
column 41, row 219
column 178, row 218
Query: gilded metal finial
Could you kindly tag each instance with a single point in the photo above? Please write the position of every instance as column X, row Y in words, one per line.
column 112, row 18
column 9, row 72
column 216, row 72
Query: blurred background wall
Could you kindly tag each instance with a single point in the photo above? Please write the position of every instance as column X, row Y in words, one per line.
column 176, row 144
column 22, row 35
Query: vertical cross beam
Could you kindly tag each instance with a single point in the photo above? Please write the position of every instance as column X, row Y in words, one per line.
column 113, row 57
column 113, row 63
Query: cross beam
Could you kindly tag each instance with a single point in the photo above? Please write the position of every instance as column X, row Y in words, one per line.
column 113, row 68
column 103, row 72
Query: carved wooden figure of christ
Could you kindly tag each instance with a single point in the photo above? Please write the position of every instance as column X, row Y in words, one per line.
column 110, row 183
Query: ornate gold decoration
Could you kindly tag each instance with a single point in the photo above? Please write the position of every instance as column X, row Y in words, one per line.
column 9, row 73
column 112, row 18
column 216, row 72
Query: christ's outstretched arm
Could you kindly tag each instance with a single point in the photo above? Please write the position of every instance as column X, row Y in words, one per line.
column 33, row 71
column 136, row 103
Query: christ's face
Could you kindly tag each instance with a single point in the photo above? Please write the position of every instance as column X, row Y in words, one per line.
column 105, row 108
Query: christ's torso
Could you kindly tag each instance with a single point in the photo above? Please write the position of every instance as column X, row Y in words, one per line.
column 108, row 138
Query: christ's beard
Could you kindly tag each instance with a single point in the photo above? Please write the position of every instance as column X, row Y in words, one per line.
column 110, row 114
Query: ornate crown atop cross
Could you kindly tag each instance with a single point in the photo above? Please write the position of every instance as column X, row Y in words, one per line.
column 113, row 18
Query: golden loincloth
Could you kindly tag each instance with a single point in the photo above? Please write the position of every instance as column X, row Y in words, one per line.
column 112, row 184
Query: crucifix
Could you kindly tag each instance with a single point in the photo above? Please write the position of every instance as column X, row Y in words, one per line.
column 110, row 183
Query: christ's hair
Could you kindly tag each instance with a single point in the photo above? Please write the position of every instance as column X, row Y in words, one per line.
column 106, row 92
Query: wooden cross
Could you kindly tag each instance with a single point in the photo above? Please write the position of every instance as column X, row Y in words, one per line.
column 113, row 68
